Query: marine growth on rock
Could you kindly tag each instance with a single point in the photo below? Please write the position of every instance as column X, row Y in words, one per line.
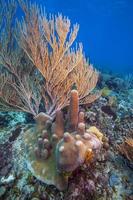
column 56, row 148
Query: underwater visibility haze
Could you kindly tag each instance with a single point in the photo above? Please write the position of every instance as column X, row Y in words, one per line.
column 105, row 30
column 66, row 100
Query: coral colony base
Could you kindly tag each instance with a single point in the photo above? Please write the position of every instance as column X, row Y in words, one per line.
column 55, row 149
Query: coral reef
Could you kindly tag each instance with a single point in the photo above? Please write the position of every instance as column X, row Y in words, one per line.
column 42, row 76
column 56, row 149
column 39, row 73
column 109, row 177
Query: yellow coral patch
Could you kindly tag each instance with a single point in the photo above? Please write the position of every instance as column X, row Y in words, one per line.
column 96, row 132
column 106, row 92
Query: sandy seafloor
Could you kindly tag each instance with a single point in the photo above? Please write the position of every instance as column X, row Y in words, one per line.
column 111, row 176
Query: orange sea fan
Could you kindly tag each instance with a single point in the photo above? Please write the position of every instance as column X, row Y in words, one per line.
column 48, row 43
column 41, row 44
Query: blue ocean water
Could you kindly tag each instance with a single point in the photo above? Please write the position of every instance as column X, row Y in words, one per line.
column 106, row 30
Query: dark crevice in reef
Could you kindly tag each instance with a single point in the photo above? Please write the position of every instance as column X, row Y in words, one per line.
column 108, row 110
column 15, row 134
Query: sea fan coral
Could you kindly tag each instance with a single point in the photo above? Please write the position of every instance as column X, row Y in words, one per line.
column 47, row 42
column 19, row 81
column 44, row 43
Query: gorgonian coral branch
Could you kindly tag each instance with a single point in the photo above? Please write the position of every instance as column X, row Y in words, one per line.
column 17, row 81
column 48, row 42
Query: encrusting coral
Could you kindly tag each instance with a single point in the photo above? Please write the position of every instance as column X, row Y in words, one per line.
column 58, row 148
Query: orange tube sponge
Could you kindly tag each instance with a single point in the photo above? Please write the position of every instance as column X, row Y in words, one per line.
column 81, row 117
column 59, row 124
column 74, row 109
